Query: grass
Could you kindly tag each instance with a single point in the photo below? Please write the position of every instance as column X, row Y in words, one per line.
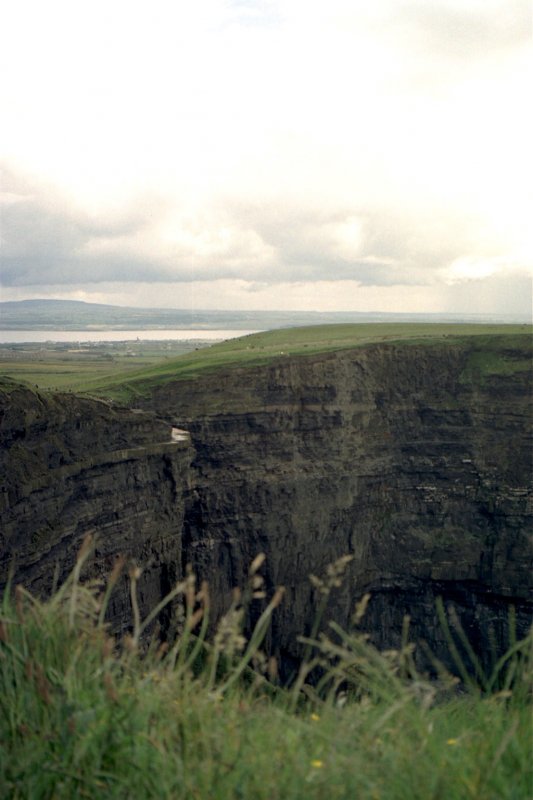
column 67, row 368
column 124, row 381
column 85, row 715
column 484, row 362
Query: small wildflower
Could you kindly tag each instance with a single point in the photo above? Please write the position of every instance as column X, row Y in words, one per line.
column 451, row 742
column 316, row 763
column 315, row 717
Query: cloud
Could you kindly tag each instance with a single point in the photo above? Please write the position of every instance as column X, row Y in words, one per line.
column 45, row 239
column 452, row 29
column 48, row 240
column 254, row 145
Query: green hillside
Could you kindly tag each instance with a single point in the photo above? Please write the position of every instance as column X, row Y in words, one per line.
column 262, row 348
column 123, row 381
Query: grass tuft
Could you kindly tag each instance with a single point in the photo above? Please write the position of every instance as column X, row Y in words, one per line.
column 86, row 714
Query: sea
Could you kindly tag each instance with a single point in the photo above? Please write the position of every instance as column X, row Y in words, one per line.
column 27, row 337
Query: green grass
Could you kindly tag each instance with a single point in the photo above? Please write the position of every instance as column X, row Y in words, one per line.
column 484, row 362
column 262, row 348
column 58, row 367
column 85, row 715
column 118, row 375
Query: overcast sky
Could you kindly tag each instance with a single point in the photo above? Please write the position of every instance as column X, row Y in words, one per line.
column 368, row 155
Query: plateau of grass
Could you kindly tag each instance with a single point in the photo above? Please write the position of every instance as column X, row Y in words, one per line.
column 68, row 367
column 83, row 714
column 117, row 373
column 262, row 348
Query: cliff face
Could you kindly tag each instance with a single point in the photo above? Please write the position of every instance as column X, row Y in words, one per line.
column 416, row 460
column 74, row 466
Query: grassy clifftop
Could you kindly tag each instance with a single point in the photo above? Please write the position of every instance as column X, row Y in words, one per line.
column 490, row 344
column 491, row 347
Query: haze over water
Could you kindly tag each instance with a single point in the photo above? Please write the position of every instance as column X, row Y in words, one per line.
column 25, row 337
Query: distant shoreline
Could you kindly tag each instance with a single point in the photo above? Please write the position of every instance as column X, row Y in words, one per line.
column 51, row 316
column 87, row 336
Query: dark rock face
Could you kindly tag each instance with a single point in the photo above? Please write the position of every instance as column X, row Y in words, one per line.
column 74, row 466
column 396, row 455
column 402, row 456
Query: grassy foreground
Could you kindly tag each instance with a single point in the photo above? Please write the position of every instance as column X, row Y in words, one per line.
column 85, row 715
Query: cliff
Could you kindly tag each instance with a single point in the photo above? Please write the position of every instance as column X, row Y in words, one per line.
column 73, row 466
column 414, row 459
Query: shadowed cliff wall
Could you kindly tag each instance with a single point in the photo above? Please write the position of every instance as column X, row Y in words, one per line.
column 73, row 466
column 416, row 460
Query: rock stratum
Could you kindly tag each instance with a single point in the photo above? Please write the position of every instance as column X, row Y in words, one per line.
column 73, row 466
column 415, row 459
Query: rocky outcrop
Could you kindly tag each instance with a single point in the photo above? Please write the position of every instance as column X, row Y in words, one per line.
column 414, row 459
column 74, row 466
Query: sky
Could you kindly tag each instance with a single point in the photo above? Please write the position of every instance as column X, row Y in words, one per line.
column 345, row 155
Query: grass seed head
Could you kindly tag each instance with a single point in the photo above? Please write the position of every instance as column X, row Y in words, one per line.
column 257, row 581
column 117, row 570
column 360, row 609
column 333, row 577
column 257, row 563
column 228, row 638
column 278, row 597
column 272, row 669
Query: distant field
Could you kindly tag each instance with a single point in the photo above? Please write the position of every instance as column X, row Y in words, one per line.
column 134, row 371
column 71, row 368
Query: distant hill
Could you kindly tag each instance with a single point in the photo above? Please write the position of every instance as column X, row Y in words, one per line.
column 76, row 315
